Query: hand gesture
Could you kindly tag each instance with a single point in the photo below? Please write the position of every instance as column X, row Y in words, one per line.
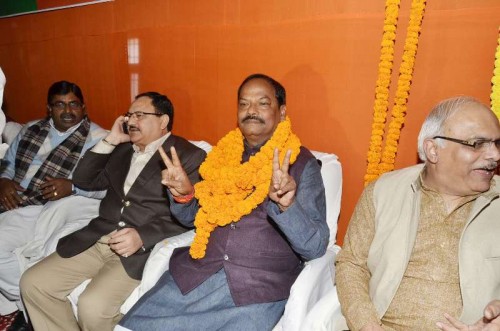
column 489, row 322
column 125, row 242
column 283, row 187
column 174, row 177
column 56, row 188
column 117, row 136
column 8, row 193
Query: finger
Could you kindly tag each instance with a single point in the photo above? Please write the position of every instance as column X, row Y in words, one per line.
column 17, row 198
column 276, row 160
column 492, row 310
column 165, row 158
column 7, row 203
column 456, row 323
column 175, row 157
column 19, row 187
column 50, row 194
column 444, row 327
column 119, row 234
column 286, row 161
column 287, row 186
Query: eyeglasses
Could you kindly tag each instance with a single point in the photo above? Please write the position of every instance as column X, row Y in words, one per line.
column 479, row 145
column 60, row 105
column 140, row 115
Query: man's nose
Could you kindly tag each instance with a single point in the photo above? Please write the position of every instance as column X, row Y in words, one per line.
column 132, row 119
column 252, row 109
column 493, row 152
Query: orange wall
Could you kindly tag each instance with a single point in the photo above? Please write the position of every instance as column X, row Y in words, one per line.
column 325, row 52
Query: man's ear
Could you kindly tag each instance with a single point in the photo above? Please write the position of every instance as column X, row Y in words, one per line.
column 165, row 119
column 282, row 112
column 431, row 150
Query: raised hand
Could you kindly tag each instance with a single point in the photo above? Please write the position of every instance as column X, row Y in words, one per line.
column 174, row 177
column 56, row 188
column 116, row 135
column 283, row 187
column 8, row 193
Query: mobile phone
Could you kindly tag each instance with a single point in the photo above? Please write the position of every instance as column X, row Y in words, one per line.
column 125, row 127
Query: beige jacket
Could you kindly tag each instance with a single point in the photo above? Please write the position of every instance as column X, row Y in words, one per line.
column 479, row 248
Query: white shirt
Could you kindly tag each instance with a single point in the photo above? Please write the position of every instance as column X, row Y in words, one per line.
column 139, row 159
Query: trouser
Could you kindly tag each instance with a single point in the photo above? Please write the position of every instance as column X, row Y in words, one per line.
column 208, row 307
column 17, row 228
column 46, row 285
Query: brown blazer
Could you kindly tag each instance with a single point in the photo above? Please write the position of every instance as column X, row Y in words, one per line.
column 146, row 206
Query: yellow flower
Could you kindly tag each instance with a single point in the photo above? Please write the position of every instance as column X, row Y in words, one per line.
column 495, row 88
column 382, row 160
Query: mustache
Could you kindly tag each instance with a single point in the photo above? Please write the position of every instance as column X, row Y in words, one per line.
column 492, row 165
column 67, row 116
column 253, row 118
column 132, row 127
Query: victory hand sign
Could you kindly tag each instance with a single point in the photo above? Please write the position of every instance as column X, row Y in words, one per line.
column 174, row 177
column 283, row 187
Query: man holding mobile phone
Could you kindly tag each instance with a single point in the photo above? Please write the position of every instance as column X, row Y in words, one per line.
column 133, row 216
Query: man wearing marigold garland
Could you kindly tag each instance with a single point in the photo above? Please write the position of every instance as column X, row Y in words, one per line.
column 259, row 213
column 421, row 251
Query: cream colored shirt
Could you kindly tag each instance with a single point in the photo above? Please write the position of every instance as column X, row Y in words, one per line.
column 431, row 284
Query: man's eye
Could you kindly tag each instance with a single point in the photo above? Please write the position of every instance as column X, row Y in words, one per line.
column 265, row 103
column 243, row 104
column 480, row 144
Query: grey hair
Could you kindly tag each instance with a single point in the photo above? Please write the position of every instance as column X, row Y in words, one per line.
column 436, row 120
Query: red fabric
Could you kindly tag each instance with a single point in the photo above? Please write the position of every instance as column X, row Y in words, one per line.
column 6, row 321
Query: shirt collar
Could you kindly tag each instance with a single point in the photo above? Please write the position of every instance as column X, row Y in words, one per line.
column 152, row 146
column 252, row 150
column 64, row 133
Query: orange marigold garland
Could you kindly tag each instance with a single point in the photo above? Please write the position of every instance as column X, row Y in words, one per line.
column 403, row 87
column 380, row 161
column 231, row 189
column 382, row 89
column 495, row 89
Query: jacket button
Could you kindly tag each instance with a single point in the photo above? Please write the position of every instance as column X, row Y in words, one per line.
column 226, row 257
column 121, row 224
column 233, row 226
column 126, row 203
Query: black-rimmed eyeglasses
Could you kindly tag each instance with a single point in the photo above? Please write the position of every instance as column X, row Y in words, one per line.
column 60, row 105
column 140, row 114
column 476, row 144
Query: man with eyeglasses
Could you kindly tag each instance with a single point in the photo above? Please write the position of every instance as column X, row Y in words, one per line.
column 133, row 216
column 36, row 172
column 422, row 248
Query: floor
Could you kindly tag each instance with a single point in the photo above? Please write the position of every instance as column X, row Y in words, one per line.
column 6, row 321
